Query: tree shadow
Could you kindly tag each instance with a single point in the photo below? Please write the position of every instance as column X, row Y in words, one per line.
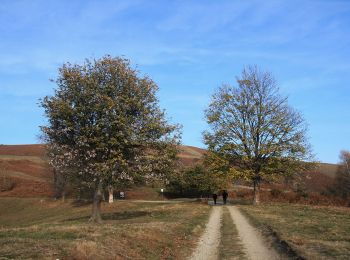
column 114, row 216
column 124, row 215
column 240, row 202
column 81, row 203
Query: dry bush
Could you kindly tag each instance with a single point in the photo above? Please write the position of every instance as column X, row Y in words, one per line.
column 275, row 193
column 310, row 198
column 6, row 184
column 319, row 199
column 244, row 194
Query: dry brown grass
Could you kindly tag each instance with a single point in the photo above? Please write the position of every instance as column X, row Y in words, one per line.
column 327, row 169
column 313, row 232
column 85, row 250
column 37, row 150
column 130, row 230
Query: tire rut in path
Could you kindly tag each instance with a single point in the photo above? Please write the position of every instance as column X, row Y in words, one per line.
column 253, row 241
column 208, row 246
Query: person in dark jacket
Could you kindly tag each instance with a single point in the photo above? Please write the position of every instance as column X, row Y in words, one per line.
column 224, row 196
column 215, row 196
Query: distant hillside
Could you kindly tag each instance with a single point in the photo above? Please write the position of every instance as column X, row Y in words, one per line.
column 190, row 155
column 26, row 167
column 37, row 150
column 327, row 169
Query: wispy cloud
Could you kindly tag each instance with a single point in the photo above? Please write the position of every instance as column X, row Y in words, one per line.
column 187, row 47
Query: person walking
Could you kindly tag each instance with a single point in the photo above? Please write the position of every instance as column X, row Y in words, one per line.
column 215, row 196
column 224, row 196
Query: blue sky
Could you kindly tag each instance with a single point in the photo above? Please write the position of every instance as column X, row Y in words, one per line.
column 188, row 48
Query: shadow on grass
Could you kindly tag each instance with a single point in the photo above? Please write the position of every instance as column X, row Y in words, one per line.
column 240, row 202
column 124, row 215
column 115, row 216
column 81, row 203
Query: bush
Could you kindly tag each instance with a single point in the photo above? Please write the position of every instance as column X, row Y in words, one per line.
column 6, row 184
column 275, row 193
column 189, row 182
column 301, row 193
column 244, row 194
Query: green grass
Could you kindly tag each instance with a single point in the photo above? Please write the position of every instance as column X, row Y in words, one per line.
column 230, row 244
column 313, row 232
column 34, row 228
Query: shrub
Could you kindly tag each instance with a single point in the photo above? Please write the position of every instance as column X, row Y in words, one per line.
column 6, row 184
column 275, row 193
column 301, row 193
column 244, row 194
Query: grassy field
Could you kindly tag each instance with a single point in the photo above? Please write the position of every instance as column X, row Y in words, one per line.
column 37, row 228
column 313, row 232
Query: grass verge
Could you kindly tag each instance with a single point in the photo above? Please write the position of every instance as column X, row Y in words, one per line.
column 312, row 232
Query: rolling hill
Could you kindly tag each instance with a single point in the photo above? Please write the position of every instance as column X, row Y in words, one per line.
column 25, row 172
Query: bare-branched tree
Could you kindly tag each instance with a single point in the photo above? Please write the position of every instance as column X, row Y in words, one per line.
column 254, row 130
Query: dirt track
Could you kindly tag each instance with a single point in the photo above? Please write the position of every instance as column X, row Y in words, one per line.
column 254, row 244
column 209, row 242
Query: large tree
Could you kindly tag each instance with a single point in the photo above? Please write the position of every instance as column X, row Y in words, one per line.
column 254, row 131
column 105, row 127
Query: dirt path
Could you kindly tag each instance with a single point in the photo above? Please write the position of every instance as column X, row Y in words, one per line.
column 252, row 240
column 254, row 245
column 208, row 245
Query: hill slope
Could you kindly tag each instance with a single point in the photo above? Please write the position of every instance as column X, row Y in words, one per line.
column 25, row 172
column 25, row 168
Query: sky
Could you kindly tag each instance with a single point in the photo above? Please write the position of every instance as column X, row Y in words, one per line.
column 189, row 48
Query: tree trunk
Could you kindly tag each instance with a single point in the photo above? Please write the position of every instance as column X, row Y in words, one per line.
column 55, row 184
column 79, row 194
column 96, row 205
column 63, row 194
column 256, row 200
column 110, row 191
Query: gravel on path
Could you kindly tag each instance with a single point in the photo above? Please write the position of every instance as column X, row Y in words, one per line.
column 208, row 245
column 255, row 245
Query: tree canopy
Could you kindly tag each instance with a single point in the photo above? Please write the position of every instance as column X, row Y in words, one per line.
column 254, row 130
column 105, row 126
